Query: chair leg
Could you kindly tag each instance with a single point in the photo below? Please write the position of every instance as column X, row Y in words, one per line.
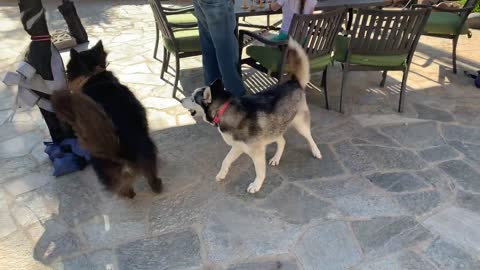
column 454, row 54
column 342, row 88
column 280, row 77
column 177, row 75
column 168, row 61
column 156, row 42
column 384, row 78
column 403, row 91
column 166, row 58
column 325, row 90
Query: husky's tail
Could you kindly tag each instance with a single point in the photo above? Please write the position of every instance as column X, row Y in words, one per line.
column 298, row 63
column 91, row 124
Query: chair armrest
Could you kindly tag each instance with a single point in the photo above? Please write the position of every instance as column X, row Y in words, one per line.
column 420, row 6
column 260, row 38
column 177, row 8
column 453, row 10
column 178, row 11
column 182, row 25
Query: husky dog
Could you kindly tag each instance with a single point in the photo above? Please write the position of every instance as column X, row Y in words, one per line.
column 249, row 123
column 108, row 121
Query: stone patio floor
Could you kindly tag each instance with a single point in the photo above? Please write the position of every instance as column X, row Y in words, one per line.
column 393, row 191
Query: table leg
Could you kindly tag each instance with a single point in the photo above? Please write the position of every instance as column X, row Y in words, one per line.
column 240, row 50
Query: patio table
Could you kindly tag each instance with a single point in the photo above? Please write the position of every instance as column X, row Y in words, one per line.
column 321, row 5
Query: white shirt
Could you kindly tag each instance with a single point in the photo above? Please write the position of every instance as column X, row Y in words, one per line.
column 291, row 7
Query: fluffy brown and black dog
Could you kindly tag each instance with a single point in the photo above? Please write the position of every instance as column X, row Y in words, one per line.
column 109, row 121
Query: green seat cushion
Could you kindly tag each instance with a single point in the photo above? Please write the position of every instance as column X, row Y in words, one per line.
column 445, row 23
column 188, row 40
column 340, row 55
column 270, row 57
column 281, row 36
column 182, row 18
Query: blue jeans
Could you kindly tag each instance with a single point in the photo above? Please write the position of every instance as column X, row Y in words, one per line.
column 217, row 24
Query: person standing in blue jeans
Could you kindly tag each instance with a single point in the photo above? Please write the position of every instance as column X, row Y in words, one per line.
column 217, row 25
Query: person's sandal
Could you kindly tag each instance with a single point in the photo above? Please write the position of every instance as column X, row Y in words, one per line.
column 63, row 40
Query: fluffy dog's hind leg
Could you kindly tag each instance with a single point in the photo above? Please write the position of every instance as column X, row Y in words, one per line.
column 301, row 123
column 127, row 191
column 275, row 160
column 149, row 170
column 116, row 177
column 124, row 185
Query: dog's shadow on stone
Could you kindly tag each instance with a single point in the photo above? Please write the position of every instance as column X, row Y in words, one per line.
column 55, row 210
column 241, row 174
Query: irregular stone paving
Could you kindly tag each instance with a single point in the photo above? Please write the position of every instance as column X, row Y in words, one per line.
column 392, row 192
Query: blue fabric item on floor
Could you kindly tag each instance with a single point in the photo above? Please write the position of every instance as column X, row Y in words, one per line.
column 69, row 163
column 53, row 150
column 76, row 148
column 67, row 157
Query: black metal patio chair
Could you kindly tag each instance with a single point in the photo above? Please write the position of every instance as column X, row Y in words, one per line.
column 381, row 40
column 449, row 24
column 316, row 33
column 180, row 39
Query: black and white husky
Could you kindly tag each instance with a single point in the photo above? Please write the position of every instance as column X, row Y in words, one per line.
column 250, row 123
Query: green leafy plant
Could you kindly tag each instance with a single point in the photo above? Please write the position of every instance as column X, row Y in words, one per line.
column 475, row 9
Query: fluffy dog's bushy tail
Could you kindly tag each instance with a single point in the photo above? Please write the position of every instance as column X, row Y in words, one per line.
column 91, row 124
column 298, row 62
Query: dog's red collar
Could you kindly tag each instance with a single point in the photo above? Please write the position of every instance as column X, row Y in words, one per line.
column 220, row 112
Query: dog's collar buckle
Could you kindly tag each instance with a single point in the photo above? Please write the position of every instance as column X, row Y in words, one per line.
column 220, row 112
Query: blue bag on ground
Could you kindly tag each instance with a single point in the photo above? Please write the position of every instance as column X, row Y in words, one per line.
column 68, row 163
column 67, row 156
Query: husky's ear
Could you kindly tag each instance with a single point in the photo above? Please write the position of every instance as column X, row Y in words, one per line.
column 207, row 95
column 216, row 86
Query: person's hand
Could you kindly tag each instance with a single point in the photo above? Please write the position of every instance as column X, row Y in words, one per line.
column 275, row 6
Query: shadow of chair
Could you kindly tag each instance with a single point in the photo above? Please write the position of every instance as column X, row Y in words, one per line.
column 316, row 33
column 449, row 23
column 180, row 39
column 381, row 40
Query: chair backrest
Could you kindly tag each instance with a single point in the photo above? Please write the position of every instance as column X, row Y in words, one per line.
column 161, row 19
column 387, row 32
column 317, row 32
column 470, row 3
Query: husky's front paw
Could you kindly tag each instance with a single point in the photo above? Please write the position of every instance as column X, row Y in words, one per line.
column 316, row 153
column 254, row 187
column 221, row 175
column 274, row 161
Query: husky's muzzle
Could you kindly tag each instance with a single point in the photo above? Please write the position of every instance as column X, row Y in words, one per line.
column 190, row 105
